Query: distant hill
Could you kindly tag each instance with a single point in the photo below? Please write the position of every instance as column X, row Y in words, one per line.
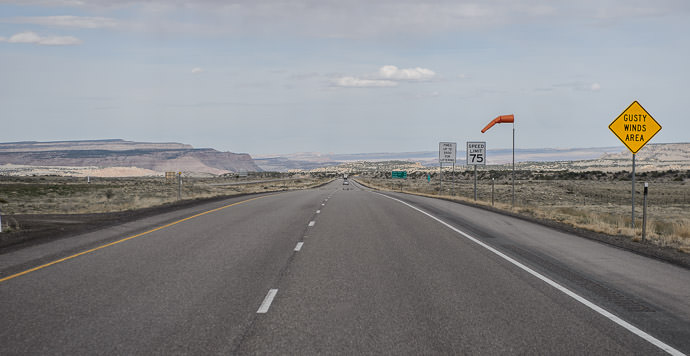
column 652, row 156
column 309, row 160
column 158, row 157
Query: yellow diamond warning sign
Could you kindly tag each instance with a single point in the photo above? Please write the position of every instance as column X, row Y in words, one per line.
column 635, row 127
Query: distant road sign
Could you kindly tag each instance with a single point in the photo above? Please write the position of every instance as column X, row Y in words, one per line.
column 476, row 153
column 399, row 174
column 635, row 127
column 447, row 152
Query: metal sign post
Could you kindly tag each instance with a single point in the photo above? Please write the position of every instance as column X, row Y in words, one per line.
column 452, row 188
column 475, row 183
column 634, row 127
column 633, row 194
column 447, row 152
column 399, row 175
column 476, row 155
column 644, row 213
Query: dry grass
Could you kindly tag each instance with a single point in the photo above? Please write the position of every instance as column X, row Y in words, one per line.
column 600, row 206
column 69, row 195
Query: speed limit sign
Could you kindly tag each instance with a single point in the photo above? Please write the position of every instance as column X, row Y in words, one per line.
column 476, row 153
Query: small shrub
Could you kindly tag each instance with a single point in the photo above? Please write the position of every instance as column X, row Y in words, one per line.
column 682, row 229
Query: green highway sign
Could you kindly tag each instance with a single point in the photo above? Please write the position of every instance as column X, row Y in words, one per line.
column 399, row 174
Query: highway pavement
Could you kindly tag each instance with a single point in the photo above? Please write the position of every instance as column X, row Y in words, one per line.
column 338, row 270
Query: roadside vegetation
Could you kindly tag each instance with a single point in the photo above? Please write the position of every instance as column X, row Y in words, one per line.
column 73, row 195
column 593, row 200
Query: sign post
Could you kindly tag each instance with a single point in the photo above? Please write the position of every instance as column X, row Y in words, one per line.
column 447, row 152
column 634, row 127
column 476, row 155
column 644, row 213
column 399, row 175
column 500, row 120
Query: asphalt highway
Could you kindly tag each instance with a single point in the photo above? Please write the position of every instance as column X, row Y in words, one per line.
column 338, row 270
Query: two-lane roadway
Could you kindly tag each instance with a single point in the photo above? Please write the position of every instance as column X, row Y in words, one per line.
column 339, row 270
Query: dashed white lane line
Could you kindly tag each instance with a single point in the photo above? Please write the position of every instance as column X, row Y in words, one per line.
column 318, row 211
column 649, row 338
column 311, row 223
column 299, row 246
column 267, row 301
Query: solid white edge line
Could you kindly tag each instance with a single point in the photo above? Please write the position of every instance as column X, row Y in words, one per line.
column 649, row 338
column 311, row 223
column 299, row 246
column 267, row 301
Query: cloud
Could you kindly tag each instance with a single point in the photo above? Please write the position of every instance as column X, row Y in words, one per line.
column 66, row 21
column 394, row 73
column 353, row 82
column 32, row 37
column 197, row 70
column 387, row 76
column 351, row 19
column 595, row 87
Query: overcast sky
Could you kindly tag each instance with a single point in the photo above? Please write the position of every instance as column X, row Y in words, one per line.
column 341, row 76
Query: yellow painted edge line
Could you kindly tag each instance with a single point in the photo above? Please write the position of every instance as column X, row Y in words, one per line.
column 123, row 240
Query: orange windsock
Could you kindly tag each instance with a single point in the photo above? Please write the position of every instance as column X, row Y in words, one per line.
column 500, row 120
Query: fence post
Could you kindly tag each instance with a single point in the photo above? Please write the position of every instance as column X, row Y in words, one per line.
column 644, row 213
column 179, row 185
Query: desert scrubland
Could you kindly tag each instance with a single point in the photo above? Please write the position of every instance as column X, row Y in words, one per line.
column 74, row 195
column 594, row 200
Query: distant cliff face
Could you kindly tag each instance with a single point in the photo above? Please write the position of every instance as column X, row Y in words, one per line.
column 159, row 157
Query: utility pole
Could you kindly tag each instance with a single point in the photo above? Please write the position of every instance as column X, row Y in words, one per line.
column 505, row 119
column 513, row 163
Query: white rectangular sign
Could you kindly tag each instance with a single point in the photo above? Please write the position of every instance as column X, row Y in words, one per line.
column 447, row 152
column 476, row 153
